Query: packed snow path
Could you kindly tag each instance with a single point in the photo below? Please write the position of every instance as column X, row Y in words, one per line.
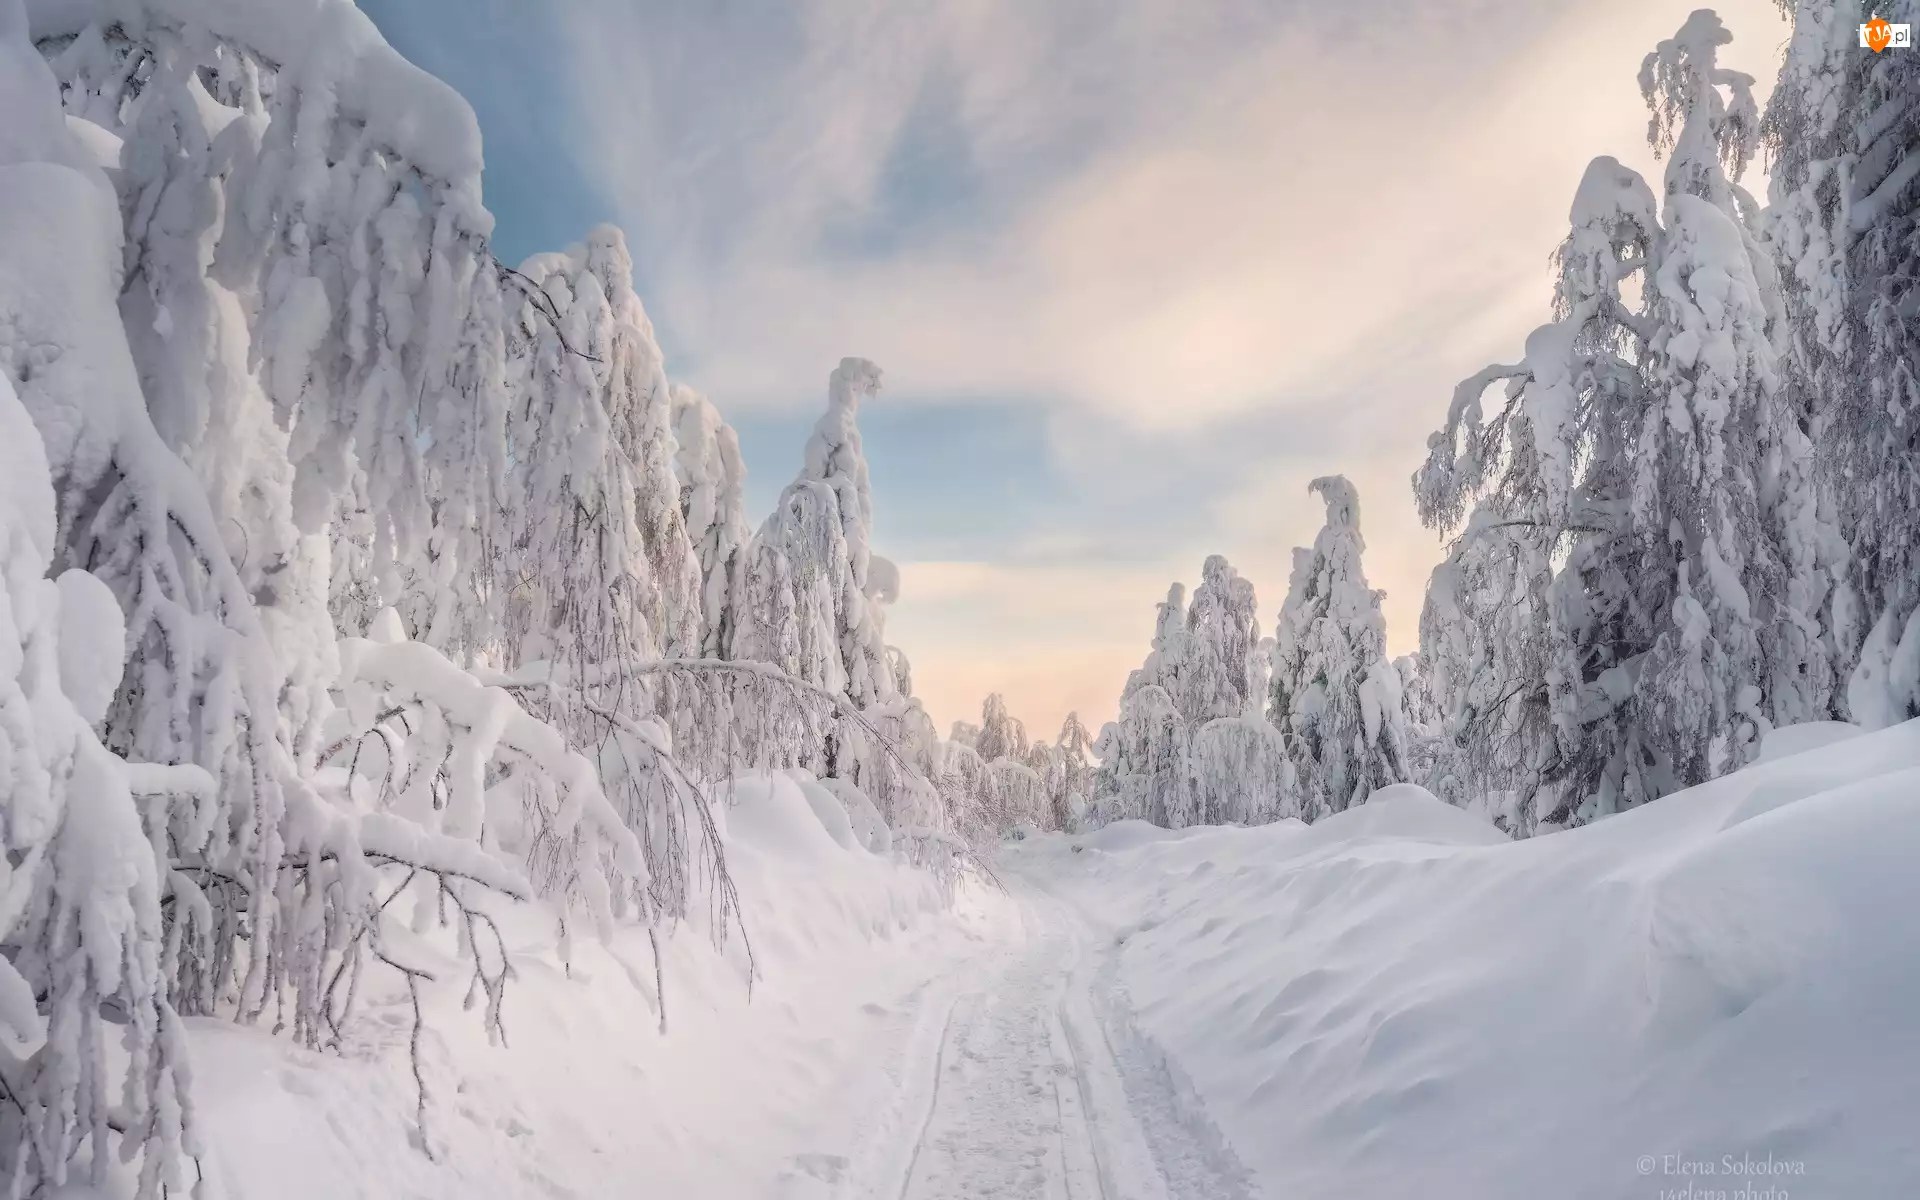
column 1012, row 1076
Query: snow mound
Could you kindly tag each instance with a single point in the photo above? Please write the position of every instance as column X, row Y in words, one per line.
column 830, row 812
column 1408, row 812
column 1789, row 740
column 1126, row 835
column 1393, row 1002
column 787, row 816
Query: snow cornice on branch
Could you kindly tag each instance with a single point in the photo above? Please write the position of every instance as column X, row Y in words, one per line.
column 334, row 54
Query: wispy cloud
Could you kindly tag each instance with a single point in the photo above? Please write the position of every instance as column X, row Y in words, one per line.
column 1214, row 250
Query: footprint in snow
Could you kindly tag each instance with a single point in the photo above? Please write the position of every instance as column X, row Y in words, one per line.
column 300, row 1083
column 514, row 1127
column 827, row 1168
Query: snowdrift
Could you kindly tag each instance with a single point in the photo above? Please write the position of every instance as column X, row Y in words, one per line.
column 1718, row 988
column 589, row 1098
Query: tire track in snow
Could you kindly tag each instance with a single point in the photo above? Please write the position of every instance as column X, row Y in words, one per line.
column 1080, row 1161
column 933, row 1100
column 1020, row 1088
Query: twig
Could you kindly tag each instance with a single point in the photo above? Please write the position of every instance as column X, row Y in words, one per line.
column 543, row 304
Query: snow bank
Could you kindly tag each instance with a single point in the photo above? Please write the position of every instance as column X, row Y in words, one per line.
column 1789, row 740
column 1396, row 1002
column 588, row 1097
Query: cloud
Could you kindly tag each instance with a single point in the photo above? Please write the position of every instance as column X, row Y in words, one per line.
column 1165, row 224
column 1206, row 251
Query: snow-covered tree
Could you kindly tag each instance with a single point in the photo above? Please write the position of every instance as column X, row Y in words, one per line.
column 285, row 393
column 1073, row 769
column 1695, row 496
column 1142, row 772
column 1142, row 752
column 806, row 589
column 1002, row 735
column 1721, row 497
column 1535, row 599
column 1192, row 743
column 1219, row 639
column 80, row 918
column 1239, row 773
column 1021, row 793
column 1425, row 737
column 1844, row 131
column 712, row 482
column 1637, row 586
column 1166, row 661
column 1332, row 683
column 600, row 565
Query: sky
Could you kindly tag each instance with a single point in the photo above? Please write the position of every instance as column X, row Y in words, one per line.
column 1136, row 270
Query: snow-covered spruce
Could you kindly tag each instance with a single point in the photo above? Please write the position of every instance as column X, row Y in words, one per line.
column 1640, row 583
column 1844, row 227
column 1192, row 744
column 1334, row 691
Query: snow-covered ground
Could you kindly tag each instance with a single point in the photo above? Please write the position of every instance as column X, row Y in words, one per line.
column 589, row 1098
column 1395, row 1001
column 1398, row 1002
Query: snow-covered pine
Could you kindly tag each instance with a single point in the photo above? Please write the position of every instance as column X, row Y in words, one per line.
column 1331, row 679
column 1142, row 772
column 347, row 184
column 1722, row 501
column 975, row 799
column 1142, row 751
column 1219, row 639
column 1192, row 743
column 1643, row 566
column 1237, row 765
column 803, row 601
column 1844, row 130
column 1048, row 764
column 1703, row 117
column 1021, row 794
column 811, row 600
column 997, row 778
column 815, row 548
column 1166, row 661
column 1879, row 433
column 1537, row 598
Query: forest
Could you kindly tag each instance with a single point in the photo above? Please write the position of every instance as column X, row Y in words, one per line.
column 342, row 562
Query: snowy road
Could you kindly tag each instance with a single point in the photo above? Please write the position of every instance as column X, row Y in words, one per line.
column 1010, row 1076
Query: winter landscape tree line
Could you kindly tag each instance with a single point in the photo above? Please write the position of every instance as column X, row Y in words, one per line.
column 1688, row 514
column 342, row 564
column 350, row 571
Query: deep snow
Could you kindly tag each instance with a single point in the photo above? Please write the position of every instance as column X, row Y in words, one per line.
column 1398, row 1002
column 589, row 1098
column 1395, row 1001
